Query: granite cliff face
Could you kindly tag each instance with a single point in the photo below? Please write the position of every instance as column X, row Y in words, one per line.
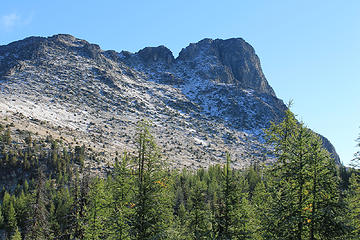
column 232, row 61
column 212, row 98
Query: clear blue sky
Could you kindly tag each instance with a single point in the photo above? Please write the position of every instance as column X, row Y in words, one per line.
column 309, row 50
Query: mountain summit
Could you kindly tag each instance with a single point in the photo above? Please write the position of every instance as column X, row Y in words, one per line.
column 212, row 98
column 235, row 60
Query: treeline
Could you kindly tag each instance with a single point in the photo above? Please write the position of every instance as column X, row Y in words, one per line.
column 303, row 195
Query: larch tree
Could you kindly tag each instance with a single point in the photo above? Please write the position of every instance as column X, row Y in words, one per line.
column 122, row 190
column 153, row 198
column 304, row 185
column 97, row 211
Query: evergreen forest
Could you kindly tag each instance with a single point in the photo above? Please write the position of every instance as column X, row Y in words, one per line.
column 49, row 192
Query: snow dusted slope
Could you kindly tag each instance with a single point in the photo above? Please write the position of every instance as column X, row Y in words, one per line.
column 223, row 77
column 211, row 99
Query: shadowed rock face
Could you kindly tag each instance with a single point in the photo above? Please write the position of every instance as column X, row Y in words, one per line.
column 331, row 149
column 154, row 55
column 213, row 96
column 236, row 59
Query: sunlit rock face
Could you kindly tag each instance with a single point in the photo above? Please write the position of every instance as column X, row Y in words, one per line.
column 211, row 99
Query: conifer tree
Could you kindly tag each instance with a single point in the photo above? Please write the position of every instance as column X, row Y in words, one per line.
column 97, row 211
column 8, row 213
column 11, row 224
column 232, row 204
column 261, row 203
column 16, row 235
column 325, row 208
column 63, row 209
column 303, row 184
column 181, row 224
column 199, row 215
column 353, row 196
column 77, row 200
column 26, row 186
column 22, row 211
column 121, row 185
column 353, row 201
column 153, row 210
column 37, row 226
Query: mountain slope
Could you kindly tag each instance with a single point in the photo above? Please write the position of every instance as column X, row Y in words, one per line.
column 211, row 99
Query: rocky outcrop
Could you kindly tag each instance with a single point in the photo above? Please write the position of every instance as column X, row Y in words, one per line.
column 156, row 55
column 150, row 58
column 233, row 61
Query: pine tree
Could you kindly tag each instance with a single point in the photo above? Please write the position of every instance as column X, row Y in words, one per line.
column 180, row 224
column 26, row 186
column 13, row 161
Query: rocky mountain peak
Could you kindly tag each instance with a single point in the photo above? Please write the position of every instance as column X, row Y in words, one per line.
column 70, row 43
column 212, row 97
column 37, row 49
column 233, row 61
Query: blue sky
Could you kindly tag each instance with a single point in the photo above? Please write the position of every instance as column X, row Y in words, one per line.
column 309, row 50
